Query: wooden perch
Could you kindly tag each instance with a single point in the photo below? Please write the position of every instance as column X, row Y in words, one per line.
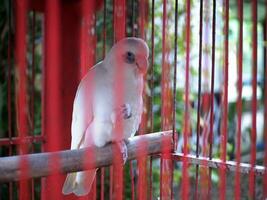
column 40, row 165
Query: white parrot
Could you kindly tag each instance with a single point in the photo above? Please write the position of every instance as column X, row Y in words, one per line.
column 94, row 109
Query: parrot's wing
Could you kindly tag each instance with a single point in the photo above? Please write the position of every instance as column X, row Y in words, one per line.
column 82, row 116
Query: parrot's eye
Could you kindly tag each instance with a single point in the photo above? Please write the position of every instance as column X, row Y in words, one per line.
column 129, row 57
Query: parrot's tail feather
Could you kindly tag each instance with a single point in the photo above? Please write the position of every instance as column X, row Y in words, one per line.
column 69, row 184
column 84, row 182
column 79, row 183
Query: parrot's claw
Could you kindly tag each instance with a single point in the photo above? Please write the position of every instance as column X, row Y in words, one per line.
column 123, row 149
column 126, row 111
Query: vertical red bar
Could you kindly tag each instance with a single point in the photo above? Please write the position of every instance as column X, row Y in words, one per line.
column 52, row 73
column 33, row 71
column 222, row 184
column 119, row 17
column 185, row 181
column 166, row 110
column 254, row 100
column 166, row 94
column 131, row 162
column 43, row 180
column 212, row 78
column 111, row 167
column 205, row 172
column 132, row 181
column 32, row 90
column 88, row 36
column 118, row 130
column 68, row 80
column 88, row 46
column 239, row 99
column 110, row 182
column 142, row 174
column 21, row 92
column 142, row 160
column 205, row 96
column 210, row 138
column 174, row 134
column 20, row 48
column 52, row 96
column 265, row 115
column 143, row 17
column 102, row 181
column 9, row 92
column 152, row 92
column 199, row 92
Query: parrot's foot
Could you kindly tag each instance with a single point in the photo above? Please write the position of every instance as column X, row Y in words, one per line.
column 121, row 113
column 126, row 111
column 123, row 150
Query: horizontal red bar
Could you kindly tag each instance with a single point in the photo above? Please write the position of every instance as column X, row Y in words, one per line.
column 244, row 168
column 17, row 140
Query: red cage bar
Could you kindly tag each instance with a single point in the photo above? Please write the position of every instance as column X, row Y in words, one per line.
column 52, row 123
column 9, row 96
column 225, row 103
column 239, row 99
column 185, row 180
column 142, row 160
column 32, row 95
column 104, row 36
column 254, row 98
column 166, row 109
column 152, row 61
column 199, row 93
column 211, row 127
column 119, row 20
column 21, row 96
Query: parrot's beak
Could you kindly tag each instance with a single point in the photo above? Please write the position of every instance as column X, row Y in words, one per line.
column 142, row 64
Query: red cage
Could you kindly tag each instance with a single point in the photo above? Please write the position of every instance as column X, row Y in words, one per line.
column 53, row 44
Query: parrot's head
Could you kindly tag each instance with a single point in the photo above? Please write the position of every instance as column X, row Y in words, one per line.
column 132, row 53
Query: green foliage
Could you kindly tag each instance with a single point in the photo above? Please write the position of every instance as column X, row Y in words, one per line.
column 3, row 62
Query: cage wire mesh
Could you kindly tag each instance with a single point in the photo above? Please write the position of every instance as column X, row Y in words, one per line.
column 205, row 91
